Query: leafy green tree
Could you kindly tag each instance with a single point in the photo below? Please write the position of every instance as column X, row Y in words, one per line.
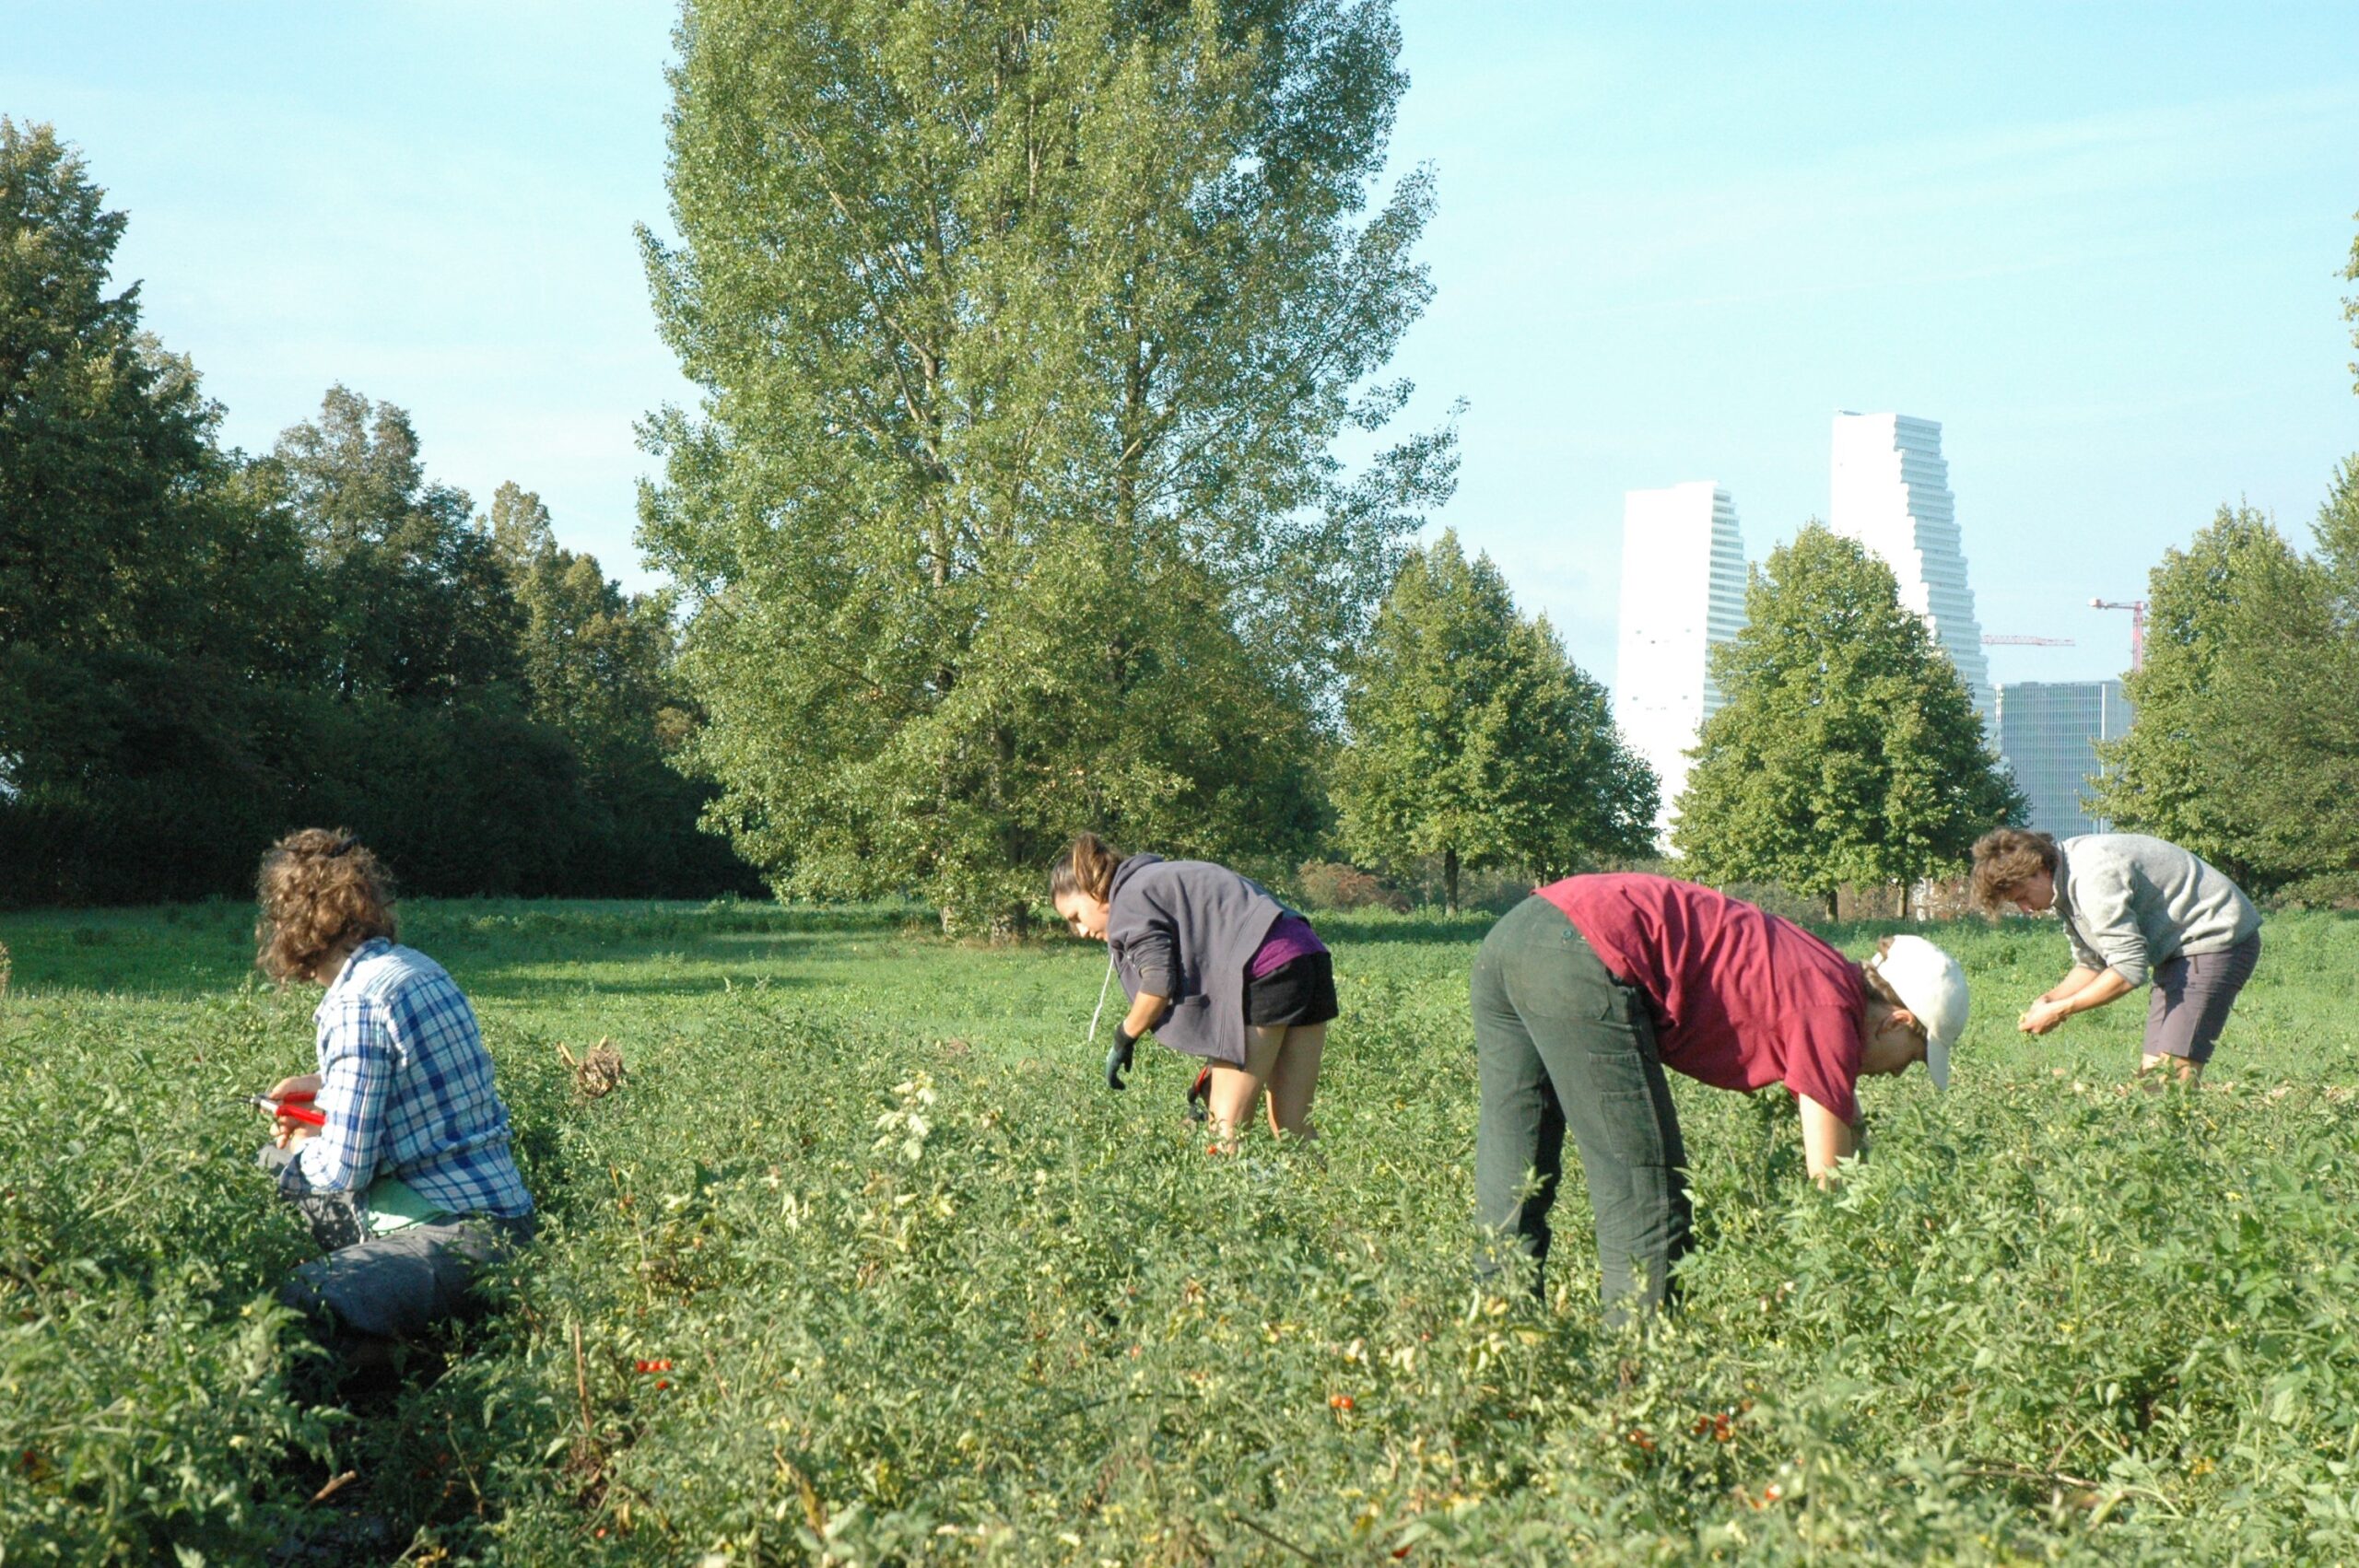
column 1473, row 738
column 197, row 652
column 1026, row 334
column 2246, row 744
column 2287, row 726
column 1847, row 751
column 598, row 664
column 593, row 656
column 138, row 603
column 98, row 429
column 417, row 605
column 106, row 446
column 2162, row 777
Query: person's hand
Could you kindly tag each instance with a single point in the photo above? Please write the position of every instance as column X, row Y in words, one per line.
column 1118, row 1057
column 2043, row 1016
column 285, row 1131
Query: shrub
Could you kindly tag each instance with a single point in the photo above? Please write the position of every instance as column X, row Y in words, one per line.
column 1331, row 884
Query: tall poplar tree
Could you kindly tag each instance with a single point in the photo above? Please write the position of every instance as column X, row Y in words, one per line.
column 1026, row 331
column 1847, row 751
column 1473, row 738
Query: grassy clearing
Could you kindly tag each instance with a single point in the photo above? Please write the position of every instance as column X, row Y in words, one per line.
column 930, row 1291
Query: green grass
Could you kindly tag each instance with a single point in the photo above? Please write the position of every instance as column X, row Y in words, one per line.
column 2047, row 1321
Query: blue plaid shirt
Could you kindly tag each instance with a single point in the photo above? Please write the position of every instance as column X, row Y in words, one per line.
column 406, row 1088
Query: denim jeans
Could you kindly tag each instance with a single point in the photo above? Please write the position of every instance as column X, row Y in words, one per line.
column 1561, row 1043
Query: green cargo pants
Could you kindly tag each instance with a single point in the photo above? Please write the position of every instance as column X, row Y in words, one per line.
column 1560, row 1042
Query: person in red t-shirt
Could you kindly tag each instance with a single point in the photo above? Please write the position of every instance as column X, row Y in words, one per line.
column 1588, row 990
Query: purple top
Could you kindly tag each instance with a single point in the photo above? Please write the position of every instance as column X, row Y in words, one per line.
column 1289, row 938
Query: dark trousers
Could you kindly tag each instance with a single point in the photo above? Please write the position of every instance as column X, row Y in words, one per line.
column 398, row 1284
column 1561, row 1043
column 2192, row 996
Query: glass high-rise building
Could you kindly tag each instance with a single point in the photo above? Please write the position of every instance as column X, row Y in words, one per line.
column 1891, row 492
column 1683, row 590
column 2049, row 730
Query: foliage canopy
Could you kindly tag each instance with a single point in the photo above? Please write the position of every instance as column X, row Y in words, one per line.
column 2246, row 744
column 1847, row 751
column 1026, row 334
column 199, row 651
column 1473, row 738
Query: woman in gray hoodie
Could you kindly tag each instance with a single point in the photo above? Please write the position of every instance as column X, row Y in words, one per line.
column 2134, row 909
column 1216, row 969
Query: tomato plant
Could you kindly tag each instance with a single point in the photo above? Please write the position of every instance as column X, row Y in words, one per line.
column 814, row 1286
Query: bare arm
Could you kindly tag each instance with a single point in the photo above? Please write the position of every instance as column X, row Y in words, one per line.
column 2106, row 985
column 1827, row 1138
column 1146, row 1011
column 2072, row 984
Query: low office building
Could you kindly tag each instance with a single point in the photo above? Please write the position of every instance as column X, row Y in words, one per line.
column 2048, row 733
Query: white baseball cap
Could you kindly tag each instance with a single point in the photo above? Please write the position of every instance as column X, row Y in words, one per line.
column 1932, row 987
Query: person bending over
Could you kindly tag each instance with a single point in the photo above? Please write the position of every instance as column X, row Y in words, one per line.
column 1215, row 968
column 2133, row 909
column 407, row 1184
column 1586, row 990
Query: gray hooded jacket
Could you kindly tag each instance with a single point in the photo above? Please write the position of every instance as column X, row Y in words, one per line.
column 1185, row 929
column 2129, row 902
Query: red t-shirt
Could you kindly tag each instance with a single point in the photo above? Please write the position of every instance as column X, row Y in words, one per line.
column 1741, row 998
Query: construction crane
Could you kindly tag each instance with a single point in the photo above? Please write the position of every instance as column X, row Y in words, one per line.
column 2002, row 640
column 2137, row 608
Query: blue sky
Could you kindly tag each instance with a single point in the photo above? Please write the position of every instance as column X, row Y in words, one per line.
column 2099, row 243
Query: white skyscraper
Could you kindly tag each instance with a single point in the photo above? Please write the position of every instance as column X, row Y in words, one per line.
column 1891, row 494
column 1683, row 590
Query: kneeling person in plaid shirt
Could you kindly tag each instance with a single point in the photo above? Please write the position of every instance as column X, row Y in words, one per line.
column 409, row 1185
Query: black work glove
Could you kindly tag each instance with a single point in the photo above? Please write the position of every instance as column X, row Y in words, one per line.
column 1118, row 1057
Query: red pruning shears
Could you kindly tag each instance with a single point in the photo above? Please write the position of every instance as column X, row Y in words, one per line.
column 296, row 1106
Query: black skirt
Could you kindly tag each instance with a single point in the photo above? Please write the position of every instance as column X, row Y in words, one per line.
column 1299, row 991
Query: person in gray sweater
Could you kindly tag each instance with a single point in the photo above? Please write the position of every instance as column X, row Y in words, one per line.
column 2134, row 909
column 1216, row 969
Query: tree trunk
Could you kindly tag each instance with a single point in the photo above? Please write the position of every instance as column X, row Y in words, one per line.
column 1449, row 882
column 1832, row 908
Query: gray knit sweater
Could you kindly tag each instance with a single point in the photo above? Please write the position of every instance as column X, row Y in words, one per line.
column 1185, row 929
column 2129, row 902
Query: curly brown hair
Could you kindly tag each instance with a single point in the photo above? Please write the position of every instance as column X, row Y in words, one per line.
column 1086, row 867
column 321, row 893
column 2006, row 858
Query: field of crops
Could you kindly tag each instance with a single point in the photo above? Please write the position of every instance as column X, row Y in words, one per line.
column 863, row 1264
